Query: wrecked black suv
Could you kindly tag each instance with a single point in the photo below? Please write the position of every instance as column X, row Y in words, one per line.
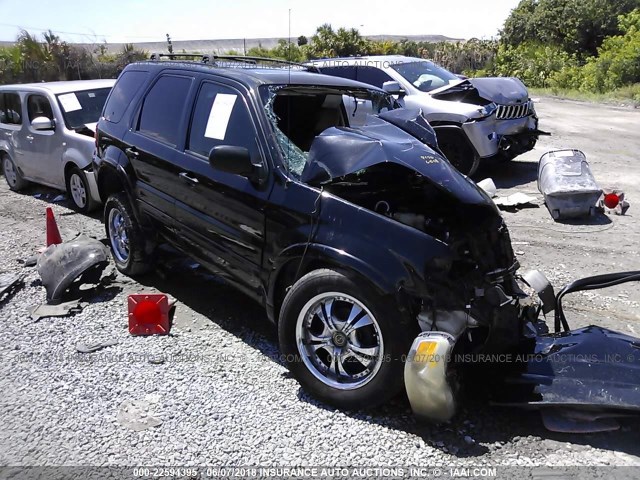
column 355, row 235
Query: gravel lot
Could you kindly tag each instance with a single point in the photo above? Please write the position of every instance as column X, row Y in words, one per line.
column 223, row 395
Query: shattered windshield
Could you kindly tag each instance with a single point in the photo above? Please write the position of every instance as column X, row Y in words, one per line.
column 425, row 75
column 299, row 113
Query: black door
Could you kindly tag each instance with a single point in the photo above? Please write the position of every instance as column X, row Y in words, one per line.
column 221, row 215
column 158, row 133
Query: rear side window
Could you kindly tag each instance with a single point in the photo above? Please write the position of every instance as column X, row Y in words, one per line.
column 122, row 94
column 373, row 76
column 346, row 71
column 163, row 108
column 38, row 106
column 221, row 117
column 10, row 109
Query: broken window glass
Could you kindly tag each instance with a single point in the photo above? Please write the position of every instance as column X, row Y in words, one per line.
column 299, row 113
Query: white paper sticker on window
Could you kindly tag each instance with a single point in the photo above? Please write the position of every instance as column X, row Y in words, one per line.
column 69, row 102
column 219, row 116
column 91, row 95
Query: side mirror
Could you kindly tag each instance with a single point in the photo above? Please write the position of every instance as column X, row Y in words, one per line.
column 393, row 88
column 229, row 159
column 42, row 123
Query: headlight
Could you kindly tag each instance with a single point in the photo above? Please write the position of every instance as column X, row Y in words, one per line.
column 488, row 110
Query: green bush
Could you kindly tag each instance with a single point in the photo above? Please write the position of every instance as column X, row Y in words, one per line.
column 618, row 60
column 535, row 64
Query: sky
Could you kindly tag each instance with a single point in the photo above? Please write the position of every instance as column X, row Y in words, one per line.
column 118, row 21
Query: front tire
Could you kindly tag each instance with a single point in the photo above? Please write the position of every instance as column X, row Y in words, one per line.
column 78, row 191
column 125, row 236
column 456, row 147
column 344, row 342
column 12, row 174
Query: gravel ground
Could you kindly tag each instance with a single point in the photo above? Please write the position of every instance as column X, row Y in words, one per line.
column 217, row 383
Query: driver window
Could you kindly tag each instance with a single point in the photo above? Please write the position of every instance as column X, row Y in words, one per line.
column 39, row 106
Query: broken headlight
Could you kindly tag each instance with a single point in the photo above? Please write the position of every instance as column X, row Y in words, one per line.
column 488, row 110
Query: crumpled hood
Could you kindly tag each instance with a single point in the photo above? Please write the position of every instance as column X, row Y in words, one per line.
column 339, row 151
column 501, row 90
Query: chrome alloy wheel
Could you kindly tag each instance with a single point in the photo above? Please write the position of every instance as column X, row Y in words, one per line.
column 118, row 235
column 339, row 340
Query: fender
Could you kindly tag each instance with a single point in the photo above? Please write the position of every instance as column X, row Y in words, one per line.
column 115, row 162
column 409, row 260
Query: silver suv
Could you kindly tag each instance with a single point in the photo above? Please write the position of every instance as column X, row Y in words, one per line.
column 474, row 119
column 46, row 136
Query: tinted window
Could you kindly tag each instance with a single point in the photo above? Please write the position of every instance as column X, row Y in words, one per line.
column 38, row 106
column 163, row 108
column 373, row 76
column 11, row 109
column 221, row 117
column 2, row 113
column 80, row 108
column 340, row 71
column 128, row 84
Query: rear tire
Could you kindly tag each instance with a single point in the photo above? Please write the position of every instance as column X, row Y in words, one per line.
column 12, row 174
column 79, row 192
column 344, row 342
column 125, row 236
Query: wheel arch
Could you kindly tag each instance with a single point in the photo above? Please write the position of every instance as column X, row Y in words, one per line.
column 298, row 260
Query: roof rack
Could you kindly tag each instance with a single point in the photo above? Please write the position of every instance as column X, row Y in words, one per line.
column 236, row 58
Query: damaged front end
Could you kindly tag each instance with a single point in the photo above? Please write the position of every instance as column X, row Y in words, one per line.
column 465, row 301
column 391, row 203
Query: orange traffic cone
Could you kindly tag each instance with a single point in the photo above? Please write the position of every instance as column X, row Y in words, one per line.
column 53, row 234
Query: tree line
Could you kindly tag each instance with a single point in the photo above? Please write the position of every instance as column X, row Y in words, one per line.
column 588, row 45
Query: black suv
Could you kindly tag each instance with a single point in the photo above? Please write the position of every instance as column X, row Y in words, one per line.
column 352, row 230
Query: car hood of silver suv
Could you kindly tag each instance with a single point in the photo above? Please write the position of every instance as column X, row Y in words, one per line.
column 482, row 91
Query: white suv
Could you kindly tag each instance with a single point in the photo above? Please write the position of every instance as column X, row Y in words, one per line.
column 46, row 136
column 474, row 119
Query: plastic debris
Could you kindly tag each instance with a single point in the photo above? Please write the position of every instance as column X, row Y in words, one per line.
column 137, row 415
column 9, row 282
column 94, row 347
column 489, row 187
column 65, row 309
column 59, row 198
column 516, row 200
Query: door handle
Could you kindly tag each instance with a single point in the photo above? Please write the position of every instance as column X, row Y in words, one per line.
column 132, row 152
column 185, row 176
column 29, row 137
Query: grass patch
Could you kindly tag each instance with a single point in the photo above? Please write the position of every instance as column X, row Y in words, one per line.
column 629, row 96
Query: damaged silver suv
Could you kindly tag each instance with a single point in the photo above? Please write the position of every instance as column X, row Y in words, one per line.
column 354, row 236
column 475, row 119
